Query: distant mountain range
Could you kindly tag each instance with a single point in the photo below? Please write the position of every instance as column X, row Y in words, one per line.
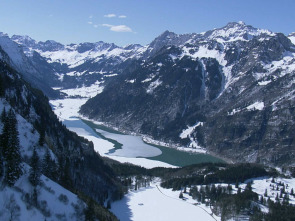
column 230, row 90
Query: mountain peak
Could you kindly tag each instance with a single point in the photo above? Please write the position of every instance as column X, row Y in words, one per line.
column 235, row 31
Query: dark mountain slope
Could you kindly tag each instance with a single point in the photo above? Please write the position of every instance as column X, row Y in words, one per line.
column 80, row 167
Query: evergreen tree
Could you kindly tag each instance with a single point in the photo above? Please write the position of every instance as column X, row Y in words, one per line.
column 10, row 149
column 89, row 212
column 229, row 188
column 35, row 197
column 239, row 190
column 46, row 164
column 261, row 199
column 2, row 91
column 3, row 115
column 66, row 179
column 49, row 167
column 286, row 199
column 277, row 198
column 249, row 186
column 42, row 137
column 181, row 195
column 1, row 163
column 34, row 176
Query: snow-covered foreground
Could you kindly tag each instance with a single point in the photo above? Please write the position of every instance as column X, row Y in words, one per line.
column 158, row 204
column 56, row 203
column 67, row 111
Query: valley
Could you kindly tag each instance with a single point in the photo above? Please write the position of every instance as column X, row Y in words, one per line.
column 125, row 148
column 191, row 125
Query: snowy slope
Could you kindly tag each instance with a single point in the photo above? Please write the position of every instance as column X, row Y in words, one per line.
column 56, row 203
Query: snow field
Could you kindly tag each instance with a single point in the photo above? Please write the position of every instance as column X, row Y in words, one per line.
column 156, row 203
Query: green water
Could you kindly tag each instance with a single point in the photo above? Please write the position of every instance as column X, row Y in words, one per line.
column 94, row 126
column 183, row 158
column 169, row 155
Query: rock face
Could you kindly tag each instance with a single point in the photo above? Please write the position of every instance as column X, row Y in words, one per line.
column 237, row 80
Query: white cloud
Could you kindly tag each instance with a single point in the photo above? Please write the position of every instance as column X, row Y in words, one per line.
column 90, row 22
column 118, row 28
column 110, row 16
column 122, row 16
column 90, row 16
column 107, row 25
column 95, row 26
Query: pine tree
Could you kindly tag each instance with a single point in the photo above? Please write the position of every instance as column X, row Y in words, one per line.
column 265, row 193
column 249, row 186
column 1, row 163
column 42, row 137
column 49, row 167
column 89, row 212
column 261, row 199
column 2, row 91
column 66, row 179
column 181, row 195
column 34, row 176
column 10, row 149
column 46, row 170
column 239, row 190
column 3, row 115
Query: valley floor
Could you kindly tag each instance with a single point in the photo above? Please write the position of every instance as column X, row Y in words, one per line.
column 158, row 204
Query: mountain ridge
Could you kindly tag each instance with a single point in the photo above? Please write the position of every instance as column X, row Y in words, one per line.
column 181, row 80
column 186, row 83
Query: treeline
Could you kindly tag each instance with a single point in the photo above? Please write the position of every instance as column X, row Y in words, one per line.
column 229, row 174
column 224, row 202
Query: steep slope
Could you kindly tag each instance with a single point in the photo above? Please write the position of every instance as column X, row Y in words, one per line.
column 232, row 86
column 78, row 167
column 17, row 59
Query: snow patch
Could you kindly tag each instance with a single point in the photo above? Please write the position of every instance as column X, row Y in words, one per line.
column 258, row 105
column 87, row 92
column 153, row 86
column 187, row 133
column 292, row 38
column 130, row 81
column 263, row 83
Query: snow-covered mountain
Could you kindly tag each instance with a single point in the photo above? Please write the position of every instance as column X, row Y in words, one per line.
column 79, row 64
column 73, row 65
column 237, row 80
column 178, row 81
column 14, row 55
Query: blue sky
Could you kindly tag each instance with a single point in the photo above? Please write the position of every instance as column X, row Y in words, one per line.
column 137, row 21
